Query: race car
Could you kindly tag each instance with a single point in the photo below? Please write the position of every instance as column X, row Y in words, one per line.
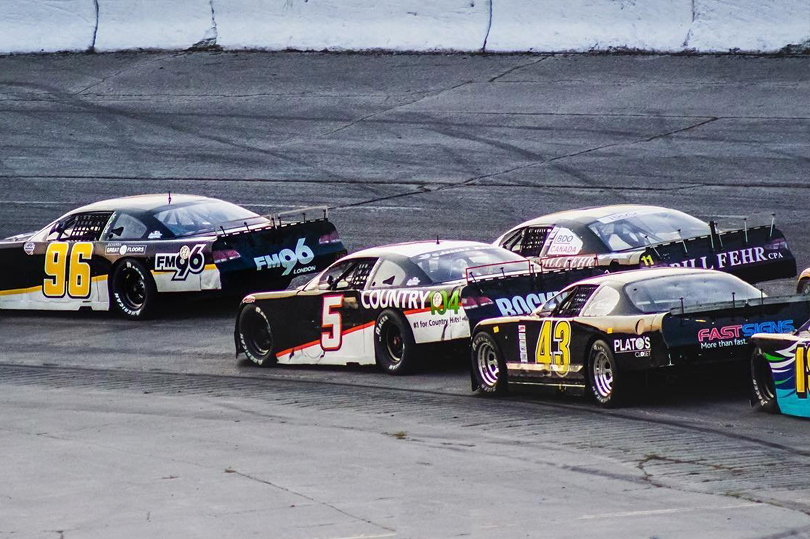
column 803, row 286
column 384, row 305
column 633, row 236
column 598, row 334
column 780, row 372
column 120, row 254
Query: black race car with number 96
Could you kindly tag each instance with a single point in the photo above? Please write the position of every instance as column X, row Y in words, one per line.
column 120, row 254
column 385, row 305
column 600, row 333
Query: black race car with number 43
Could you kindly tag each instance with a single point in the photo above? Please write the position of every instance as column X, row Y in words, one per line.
column 600, row 333
column 120, row 254
column 634, row 236
column 384, row 305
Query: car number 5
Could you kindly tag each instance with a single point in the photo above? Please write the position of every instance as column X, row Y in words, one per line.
column 332, row 322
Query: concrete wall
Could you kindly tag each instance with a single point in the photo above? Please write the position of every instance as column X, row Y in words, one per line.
column 406, row 25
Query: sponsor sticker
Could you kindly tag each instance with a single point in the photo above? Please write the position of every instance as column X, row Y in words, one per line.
column 29, row 248
column 518, row 305
column 524, row 352
column 188, row 261
column 154, row 235
column 730, row 259
column 738, row 334
column 288, row 259
column 639, row 346
column 563, row 242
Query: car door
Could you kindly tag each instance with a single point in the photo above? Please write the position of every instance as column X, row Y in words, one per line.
column 552, row 347
column 71, row 271
column 60, row 266
column 335, row 314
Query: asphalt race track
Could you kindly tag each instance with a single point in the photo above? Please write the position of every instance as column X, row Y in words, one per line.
column 111, row 428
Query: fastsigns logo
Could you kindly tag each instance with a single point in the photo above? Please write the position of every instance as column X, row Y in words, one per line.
column 737, row 331
column 189, row 260
column 288, row 259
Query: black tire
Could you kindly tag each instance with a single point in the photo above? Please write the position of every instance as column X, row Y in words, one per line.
column 488, row 365
column 394, row 346
column 803, row 287
column 256, row 336
column 762, row 387
column 604, row 379
column 133, row 293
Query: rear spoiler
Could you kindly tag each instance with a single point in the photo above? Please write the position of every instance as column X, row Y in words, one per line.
column 754, row 254
column 532, row 269
column 277, row 220
column 710, row 329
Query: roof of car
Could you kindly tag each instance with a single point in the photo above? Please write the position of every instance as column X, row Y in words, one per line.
column 622, row 278
column 588, row 215
column 417, row 248
column 141, row 202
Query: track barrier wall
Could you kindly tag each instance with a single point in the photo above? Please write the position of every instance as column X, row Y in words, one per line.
column 757, row 26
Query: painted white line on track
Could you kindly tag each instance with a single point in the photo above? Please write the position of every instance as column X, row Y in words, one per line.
column 668, row 511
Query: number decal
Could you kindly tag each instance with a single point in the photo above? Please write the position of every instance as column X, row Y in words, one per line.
column 79, row 283
column 441, row 303
column 802, row 371
column 56, row 270
column 55, row 263
column 553, row 346
column 647, row 260
column 562, row 338
column 332, row 322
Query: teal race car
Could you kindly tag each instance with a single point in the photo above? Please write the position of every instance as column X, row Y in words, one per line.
column 780, row 372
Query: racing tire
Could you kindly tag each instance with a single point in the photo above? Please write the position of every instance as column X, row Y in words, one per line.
column 803, row 287
column 133, row 293
column 488, row 365
column 394, row 346
column 604, row 379
column 763, row 389
column 256, row 336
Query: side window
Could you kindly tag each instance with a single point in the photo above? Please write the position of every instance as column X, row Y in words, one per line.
column 512, row 242
column 79, row 227
column 603, row 302
column 393, row 275
column 573, row 304
column 351, row 274
column 534, row 237
column 126, row 227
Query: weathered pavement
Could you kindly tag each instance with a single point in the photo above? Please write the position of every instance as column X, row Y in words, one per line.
column 132, row 430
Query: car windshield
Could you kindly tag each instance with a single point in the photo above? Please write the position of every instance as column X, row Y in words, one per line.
column 202, row 217
column 451, row 265
column 638, row 228
column 664, row 293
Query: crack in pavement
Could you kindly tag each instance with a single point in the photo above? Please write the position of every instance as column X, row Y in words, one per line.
column 519, row 66
column 310, row 498
column 536, row 164
column 425, row 95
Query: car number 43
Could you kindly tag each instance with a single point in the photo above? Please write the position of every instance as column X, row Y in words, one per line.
column 553, row 346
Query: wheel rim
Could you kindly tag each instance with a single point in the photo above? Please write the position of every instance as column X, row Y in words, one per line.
column 394, row 343
column 763, row 378
column 488, row 368
column 258, row 334
column 133, row 289
column 602, row 374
